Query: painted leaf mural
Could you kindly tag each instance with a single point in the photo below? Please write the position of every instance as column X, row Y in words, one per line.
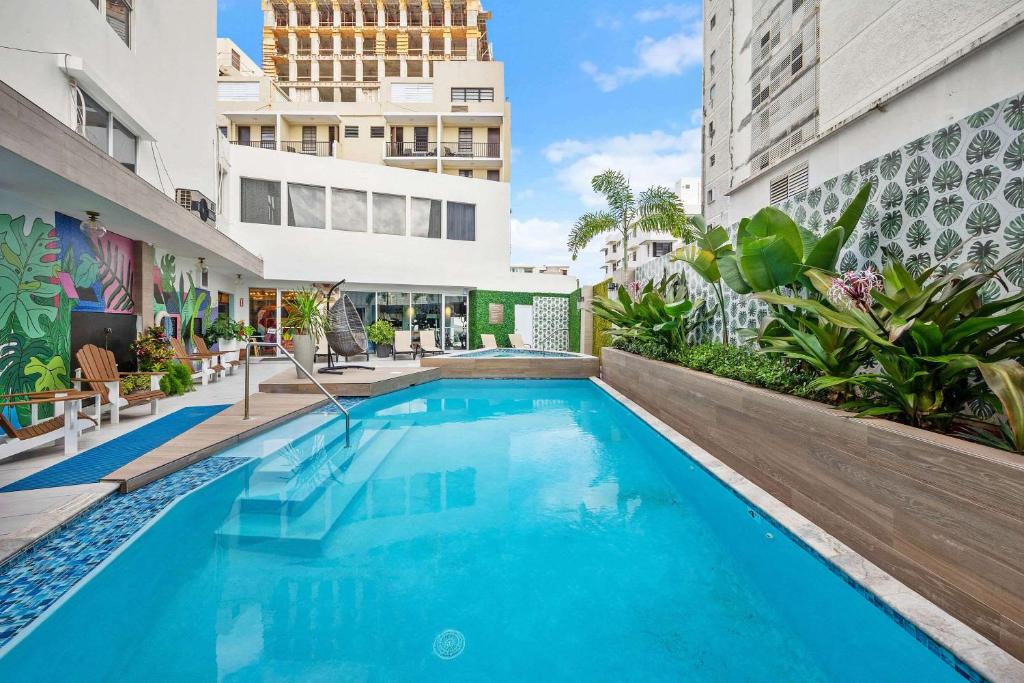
column 918, row 263
column 50, row 376
column 946, row 141
column 1014, row 113
column 868, row 243
column 27, row 268
column 981, row 117
column 890, row 165
column 1013, row 158
column 16, row 351
column 982, row 182
column 892, row 196
column 116, row 271
column 1014, row 192
column 985, row 145
column 919, row 234
column 947, row 243
column 892, row 223
column 917, row 201
column 948, row 209
column 1015, row 233
column 917, row 171
column 984, row 219
column 983, row 254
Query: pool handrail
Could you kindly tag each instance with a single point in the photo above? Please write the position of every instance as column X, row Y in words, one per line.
column 276, row 345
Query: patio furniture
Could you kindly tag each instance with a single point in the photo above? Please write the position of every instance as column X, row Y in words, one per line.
column 98, row 368
column 67, row 423
column 222, row 366
column 517, row 341
column 189, row 360
column 403, row 345
column 428, row 343
column 488, row 341
column 346, row 335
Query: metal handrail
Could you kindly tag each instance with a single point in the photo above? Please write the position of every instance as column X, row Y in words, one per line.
column 277, row 345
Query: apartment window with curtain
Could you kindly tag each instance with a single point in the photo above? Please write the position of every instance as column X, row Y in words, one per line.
column 388, row 214
column 261, row 201
column 660, row 249
column 426, row 218
column 348, row 210
column 110, row 135
column 465, row 173
column 307, row 206
column 461, row 222
column 119, row 16
column 267, row 135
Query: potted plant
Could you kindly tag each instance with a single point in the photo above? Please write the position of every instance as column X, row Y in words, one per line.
column 306, row 317
column 382, row 334
column 224, row 332
column 152, row 350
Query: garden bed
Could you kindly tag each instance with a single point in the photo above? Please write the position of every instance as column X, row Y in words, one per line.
column 943, row 515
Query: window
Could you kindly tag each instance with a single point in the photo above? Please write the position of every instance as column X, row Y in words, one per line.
column 465, row 142
column 472, row 94
column 494, row 175
column 421, row 136
column 461, row 221
column 261, row 201
column 711, row 196
column 711, row 96
column 351, row 131
column 711, row 62
column 797, row 4
column 124, row 146
column 660, row 249
column 388, row 214
column 711, row 130
column 465, row 173
column 426, row 218
column 309, row 139
column 223, row 130
column 348, row 210
column 267, row 137
column 376, row 131
column 306, row 206
column 785, row 186
column 236, row 60
column 711, row 161
column 420, row 93
column 714, row 20
column 797, row 59
column 632, row 257
column 95, row 123
column 119, row 16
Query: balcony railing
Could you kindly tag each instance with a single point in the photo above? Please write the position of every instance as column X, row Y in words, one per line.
column 317, row 149
column 410, row 149
column 476, row 150
column 258, row 144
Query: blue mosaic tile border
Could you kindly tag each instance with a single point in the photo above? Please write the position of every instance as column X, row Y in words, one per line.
column 37, row 577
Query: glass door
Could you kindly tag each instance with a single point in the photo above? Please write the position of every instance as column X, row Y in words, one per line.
column 456, row 323
column 394, row 307
column 426, row 312
column 263, row 317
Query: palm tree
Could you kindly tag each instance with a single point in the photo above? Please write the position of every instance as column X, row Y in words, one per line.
column 657, row 209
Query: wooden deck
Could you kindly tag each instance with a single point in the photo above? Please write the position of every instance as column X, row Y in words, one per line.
column 212, row 436
column 354, row 383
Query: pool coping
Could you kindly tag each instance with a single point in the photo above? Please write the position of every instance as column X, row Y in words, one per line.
column 907, row 607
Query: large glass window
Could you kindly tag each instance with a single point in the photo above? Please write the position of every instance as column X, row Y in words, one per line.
column 388, row 214
column 307, row 206
column 426, row 218
column 261, row 201
column 125, row 146
column 426, row 311
column 263, row 316
column 119, row 16
column 96, row 123
column 461, row 221
column 348, row 210
column 394, row 307
column 456, row 322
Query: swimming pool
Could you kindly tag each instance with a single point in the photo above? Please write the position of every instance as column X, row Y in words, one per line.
column 482, row 530
column 516, row 353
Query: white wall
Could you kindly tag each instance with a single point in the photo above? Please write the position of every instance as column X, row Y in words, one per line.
column 313, row 255
column 165, row 81
column 984, row 77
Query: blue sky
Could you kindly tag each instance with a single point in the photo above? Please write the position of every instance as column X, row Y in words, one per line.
column 593, row 85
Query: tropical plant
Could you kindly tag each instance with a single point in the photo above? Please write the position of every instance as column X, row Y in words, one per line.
column 224, row 327
column 177, row 381
column 50, row 376
column 747, row 365
column 116, row 273
column 152, row 349
column 1006, row 380
column 132, row 383
column 710, row 245
column 381, row 332
column 650, row 317
column 28, row 262
column 656, row 209
column 305, row 313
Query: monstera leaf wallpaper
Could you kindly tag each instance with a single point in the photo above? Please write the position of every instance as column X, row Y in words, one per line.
column 962, row 183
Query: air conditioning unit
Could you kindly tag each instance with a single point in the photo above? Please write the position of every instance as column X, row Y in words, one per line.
column 199, row 204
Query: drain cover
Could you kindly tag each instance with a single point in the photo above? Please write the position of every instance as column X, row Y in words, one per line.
column 449, row 644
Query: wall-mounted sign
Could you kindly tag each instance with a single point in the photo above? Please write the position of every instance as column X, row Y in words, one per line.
column 496, row 314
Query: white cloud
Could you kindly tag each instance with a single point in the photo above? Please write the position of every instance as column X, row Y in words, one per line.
column 539, row 242
column 654, row 158
column 657, row 57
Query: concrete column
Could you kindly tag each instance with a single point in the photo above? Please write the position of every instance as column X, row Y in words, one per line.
column 447, row 13
column 403, row 67
column 426, row 46
column 336, row 43
column 314, row 70
column 403, row 9
column 359, row 13
column 337, row 73
column 381, row 21
column 447, row 42
column 142, row 284
column 359, row 69
column 293, row 68
column 472, row 48
column 314, row 14
column 440, row 144
column 293, row 14
column 359, row 43
column 336, row 12
column 314, row 43
column 293, row 43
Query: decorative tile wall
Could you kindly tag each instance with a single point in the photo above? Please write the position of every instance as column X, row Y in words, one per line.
column 551, row 323
column 960, row 186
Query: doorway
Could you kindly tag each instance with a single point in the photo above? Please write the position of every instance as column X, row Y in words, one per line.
column 524, row 323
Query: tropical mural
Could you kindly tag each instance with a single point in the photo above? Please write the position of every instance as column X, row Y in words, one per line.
column 960, row 185
column 179, row 305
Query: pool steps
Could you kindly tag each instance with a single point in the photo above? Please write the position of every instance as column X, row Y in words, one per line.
column 291, row 516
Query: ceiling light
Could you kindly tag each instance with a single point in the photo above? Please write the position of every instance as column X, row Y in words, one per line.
column 92, row 224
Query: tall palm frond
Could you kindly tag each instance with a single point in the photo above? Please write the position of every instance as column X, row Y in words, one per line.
column 660, row 210
column 587, row 227
column 615, row 188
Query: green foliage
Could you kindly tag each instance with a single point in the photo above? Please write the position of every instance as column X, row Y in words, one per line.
column 152, row 349
column 224, row 327
column 305, row 311
column 479, row 318
column 650, row 316
column 654, row 350
column 656, row 209
column 1006, row 380
column 27, row 263
column 711, row 245
column 177, row 381
column 50, row 376
column 600, row 325
column 133, row 383
column 747, row 365
column 575, row 321
column 381, row 332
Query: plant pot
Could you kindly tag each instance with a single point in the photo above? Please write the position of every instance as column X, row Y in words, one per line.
column 384, row 350
column 225, row 345
column 305, row 352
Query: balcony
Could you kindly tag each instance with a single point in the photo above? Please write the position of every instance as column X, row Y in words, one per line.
column 256, row 144
column 476, row 150
column 310, row 147
column 410, row 149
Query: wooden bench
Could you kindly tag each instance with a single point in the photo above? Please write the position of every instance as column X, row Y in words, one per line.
column 222, row 365
column 67, row 423
column 189, row 360
column 98, row 368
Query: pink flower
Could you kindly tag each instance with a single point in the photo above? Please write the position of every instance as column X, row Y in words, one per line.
column 853, row 289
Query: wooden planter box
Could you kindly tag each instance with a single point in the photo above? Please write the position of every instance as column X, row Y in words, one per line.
column 943, row 515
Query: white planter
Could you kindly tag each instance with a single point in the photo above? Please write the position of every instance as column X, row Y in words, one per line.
column 305, row 352
column 226, row 345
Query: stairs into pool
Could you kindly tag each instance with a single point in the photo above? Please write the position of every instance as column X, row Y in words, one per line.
column 298, row 495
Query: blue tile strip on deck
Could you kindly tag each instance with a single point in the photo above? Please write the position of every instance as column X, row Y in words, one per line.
column 92, row 465
column 34, row 579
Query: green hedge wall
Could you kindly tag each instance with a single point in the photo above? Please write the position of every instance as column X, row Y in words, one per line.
column 575, row 320
column 481, row 299
column 601, row 336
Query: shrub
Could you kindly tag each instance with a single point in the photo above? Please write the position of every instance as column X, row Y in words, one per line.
column 177, row 381
column 747, row 365
column 648, row 349
column 381, row 332
column 133, row 383
column 152, row 349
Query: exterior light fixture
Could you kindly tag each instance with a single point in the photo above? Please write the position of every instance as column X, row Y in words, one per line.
column 448, row 311
column 93, row 224
column 202, row 266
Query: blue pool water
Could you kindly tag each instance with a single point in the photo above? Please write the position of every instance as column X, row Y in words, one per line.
column 516, row 353
column 478, row 530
